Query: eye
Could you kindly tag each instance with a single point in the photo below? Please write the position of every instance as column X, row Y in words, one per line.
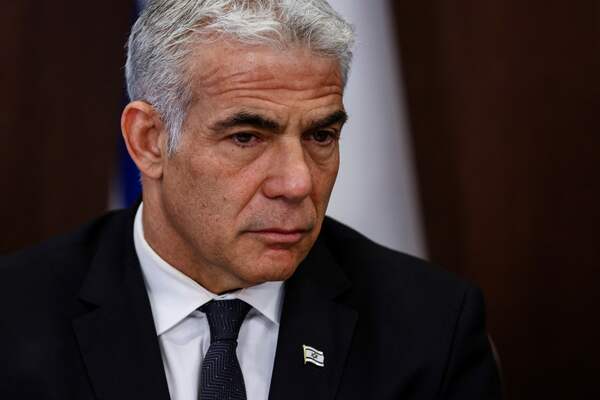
column 324, row 137
column 244, row 139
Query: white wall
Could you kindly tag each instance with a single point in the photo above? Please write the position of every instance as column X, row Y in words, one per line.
column 376, row 189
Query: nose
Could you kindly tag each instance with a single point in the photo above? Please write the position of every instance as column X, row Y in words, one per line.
column 289, row 176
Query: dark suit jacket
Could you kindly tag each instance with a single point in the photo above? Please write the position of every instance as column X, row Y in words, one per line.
column 76, row 323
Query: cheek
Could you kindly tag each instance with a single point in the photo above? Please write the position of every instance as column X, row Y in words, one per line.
column 192, row 187
column 223, row 191
column 324, row 177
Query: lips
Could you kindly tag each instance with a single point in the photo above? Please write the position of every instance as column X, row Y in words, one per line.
column 279, row 236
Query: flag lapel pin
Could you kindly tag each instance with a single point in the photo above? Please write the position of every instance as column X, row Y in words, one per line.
column 313, row 356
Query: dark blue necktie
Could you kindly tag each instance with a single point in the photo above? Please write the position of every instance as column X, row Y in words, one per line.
column 221, row 376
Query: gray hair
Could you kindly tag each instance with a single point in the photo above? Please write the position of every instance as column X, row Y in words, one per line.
column 167, row 31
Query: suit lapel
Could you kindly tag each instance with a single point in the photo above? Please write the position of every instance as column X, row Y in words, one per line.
column 312, row 317
column 117, row 337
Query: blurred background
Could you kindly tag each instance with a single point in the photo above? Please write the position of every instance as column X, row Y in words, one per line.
column 474, row 141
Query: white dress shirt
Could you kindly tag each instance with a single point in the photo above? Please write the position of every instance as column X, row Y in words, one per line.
column 183, row 331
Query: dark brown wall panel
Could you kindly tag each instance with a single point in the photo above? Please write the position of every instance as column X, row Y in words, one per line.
column 61, row 77
column 504, row 98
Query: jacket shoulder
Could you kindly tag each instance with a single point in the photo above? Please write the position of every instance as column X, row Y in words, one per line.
column 380, row 272
column 414, row 320
column 55, row 268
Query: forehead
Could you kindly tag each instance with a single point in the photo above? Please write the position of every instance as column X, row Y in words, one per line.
column 228, row 67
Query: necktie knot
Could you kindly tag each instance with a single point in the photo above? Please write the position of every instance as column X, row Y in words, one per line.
column 225, row 318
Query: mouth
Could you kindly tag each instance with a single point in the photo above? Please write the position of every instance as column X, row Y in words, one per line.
column 278, row 236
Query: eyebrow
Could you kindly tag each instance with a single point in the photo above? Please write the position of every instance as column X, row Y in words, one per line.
column 337, row 117
column 246, row 118
column 262, row 122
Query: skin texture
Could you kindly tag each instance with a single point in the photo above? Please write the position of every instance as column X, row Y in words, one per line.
column 242, row 199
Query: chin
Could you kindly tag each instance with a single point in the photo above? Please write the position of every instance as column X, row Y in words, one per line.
column 273, row 270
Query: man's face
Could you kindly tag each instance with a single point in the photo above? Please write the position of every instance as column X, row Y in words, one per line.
column 246, row 192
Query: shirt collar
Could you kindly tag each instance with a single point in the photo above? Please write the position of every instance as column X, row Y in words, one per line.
column 174, row 295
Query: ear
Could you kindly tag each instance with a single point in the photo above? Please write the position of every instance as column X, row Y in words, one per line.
column 145, row 138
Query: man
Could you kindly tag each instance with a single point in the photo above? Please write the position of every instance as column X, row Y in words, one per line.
column 227, row 281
